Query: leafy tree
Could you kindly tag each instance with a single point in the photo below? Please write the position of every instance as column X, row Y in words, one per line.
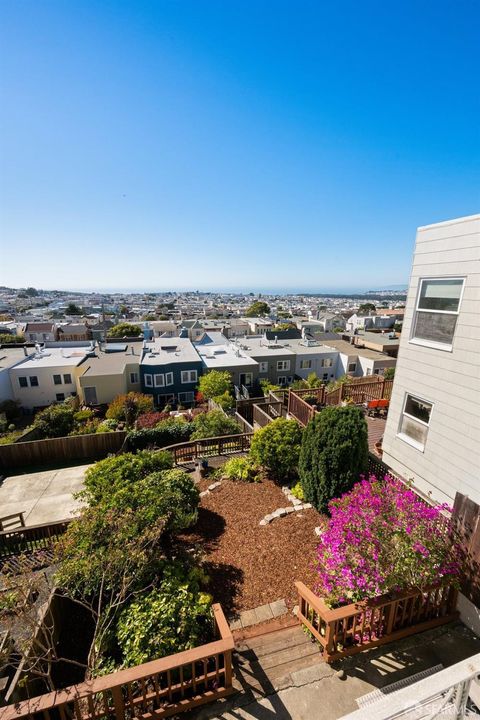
column 334, row 454
column 366, row 308
column 55, row 421
column 335, row 384
column 226, row 401
column 31, row 292
column 214, row 424
column 389, row 373
column 276, row 447
column 7, row 339
column 73, row 309
column 123, row 309
column 312, row 381
column 215, row 383
column 268, row 386
column 124, row 329
column 10, row 408
column 257, row 309
column 128, row 407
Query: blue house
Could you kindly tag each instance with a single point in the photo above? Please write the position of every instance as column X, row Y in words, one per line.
column 169, row 370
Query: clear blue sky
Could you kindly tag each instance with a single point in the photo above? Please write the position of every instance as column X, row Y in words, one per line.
column 232, row 143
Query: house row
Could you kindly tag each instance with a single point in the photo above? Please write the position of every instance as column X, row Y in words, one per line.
column 169, row 368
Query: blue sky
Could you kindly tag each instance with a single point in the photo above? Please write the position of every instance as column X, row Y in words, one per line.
column 232, row 144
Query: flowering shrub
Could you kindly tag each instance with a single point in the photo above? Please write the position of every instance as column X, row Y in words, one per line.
column 151, row 419
column 382, row 538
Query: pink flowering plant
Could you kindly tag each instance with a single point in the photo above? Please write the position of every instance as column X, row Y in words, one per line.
column 382, row 538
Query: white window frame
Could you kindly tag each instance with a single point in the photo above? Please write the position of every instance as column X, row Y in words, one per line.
column 169, row 378
column 447, row 347
column 263, row 367
column 305, row 364
column 159, row 380
column 184, row 399
column 188, row 377
column 327, row 362
column 23, row 377
column 283, row 364
column 148, row 380
column 403, row 436
column 134, row 378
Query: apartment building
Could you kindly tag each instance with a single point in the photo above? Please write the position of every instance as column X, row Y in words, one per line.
column 111, row 369
column 170, row 369
column 217, row 353
column 433, row 428
column 276, row 361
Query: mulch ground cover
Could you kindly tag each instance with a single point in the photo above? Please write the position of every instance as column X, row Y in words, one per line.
column 249, row 564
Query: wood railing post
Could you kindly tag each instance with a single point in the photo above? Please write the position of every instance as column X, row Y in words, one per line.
column 228, row 669
column 118, row 703
column 329, row 640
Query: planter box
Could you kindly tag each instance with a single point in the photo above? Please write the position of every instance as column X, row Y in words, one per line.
column 352, row 628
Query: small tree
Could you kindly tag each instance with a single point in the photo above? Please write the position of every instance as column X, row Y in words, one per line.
column 334, row 454
column 124, row 330
column 257, row 309
column 55, row 421
column 215, row 383
column 366, row 308
column 276, row 447
column 214, row 424
column 128, row 407
column 389, row 373
column 73, row 309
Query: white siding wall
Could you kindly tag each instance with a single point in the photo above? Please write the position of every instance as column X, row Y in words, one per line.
column 450, row 461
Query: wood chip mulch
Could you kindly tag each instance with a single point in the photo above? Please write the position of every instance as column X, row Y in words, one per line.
column 250, row 565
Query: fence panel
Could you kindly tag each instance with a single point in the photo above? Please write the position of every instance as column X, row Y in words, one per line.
column 64, row 449
column 466, row 521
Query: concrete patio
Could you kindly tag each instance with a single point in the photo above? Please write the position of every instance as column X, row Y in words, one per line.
column 43, row 497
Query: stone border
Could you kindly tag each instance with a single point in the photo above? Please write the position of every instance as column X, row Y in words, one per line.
column 281, row 512
column 211, row 488
column 260, row 614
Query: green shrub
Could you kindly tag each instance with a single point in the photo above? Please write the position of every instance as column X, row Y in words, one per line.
column 82, row 416
column 214, row 424
column 167, row 432
column 226, row 401
column 174, row 616
column 86, row 428
column 215, row 383
column 107, row 426
column 241, row 468
column 121, row 471
column 334, row 454
column 276, row 447
column 297, row 491
column 54, row 421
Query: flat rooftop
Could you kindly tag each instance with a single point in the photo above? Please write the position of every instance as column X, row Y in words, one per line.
column 54, row 357
column 11, row 356
column 226, row 355
column 346, row 348
column 167, row 351
column 108, row 363
column 260, row 346
column 302, row 347
column 378, row 338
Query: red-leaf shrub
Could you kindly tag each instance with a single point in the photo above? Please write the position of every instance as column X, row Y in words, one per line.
column 151, row 419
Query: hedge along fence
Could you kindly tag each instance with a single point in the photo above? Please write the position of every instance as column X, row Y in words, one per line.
column 60, row 450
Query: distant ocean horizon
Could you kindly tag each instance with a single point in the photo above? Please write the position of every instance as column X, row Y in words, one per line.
column 232, row 290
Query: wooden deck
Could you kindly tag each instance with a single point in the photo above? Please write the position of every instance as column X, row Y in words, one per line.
column 376, row 428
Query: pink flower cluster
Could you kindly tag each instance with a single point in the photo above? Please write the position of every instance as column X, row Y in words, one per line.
column 381, row 538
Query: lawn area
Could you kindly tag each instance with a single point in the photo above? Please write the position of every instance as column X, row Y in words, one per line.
column 250, row 565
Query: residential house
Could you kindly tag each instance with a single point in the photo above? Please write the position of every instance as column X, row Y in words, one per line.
column 331, row 321
column 217, row 353
column 258, row 325
column 369, row 322
column 276, row 361
column 46, row 376
column 386, row 341
column 9, row 357
column 432, row 434
column 39, row 332
column 170, row 369
column 112, row 369
column 70, row 332
column 313, row 357
column 359, row 361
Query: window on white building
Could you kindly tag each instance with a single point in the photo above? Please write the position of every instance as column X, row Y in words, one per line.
column 33, row 381
column 60, row 397
column 436, row 312
column 327, row 362
column 57, row 379
column 415, row 421
column 23, row 382
column 67, row 379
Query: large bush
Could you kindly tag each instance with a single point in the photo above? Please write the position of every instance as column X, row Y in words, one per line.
column 124, row 329
column 174, row 616
column 214, row 424
column 215, row 383
column 381, row 537
column 166, row 432
column 276, row 447
column 54, row 421
column 334, row 454
column 128, row 407
column 241, row 468
column 122, row 471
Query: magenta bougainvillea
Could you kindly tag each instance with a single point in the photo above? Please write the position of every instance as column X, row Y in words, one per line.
column 380, row 538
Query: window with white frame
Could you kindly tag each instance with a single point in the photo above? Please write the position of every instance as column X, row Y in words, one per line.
column 436, row 312
column 305, row 364
column 282, row 380
column 159, row 380
column 263, row 367
column 189, row 376
column 415, row 420
column 67, row 379
column 148, row 380
column 186, row 397
column 283, row 364
column 327, row 362
column 23, row 382
column 133, row 378
column 369, row 371
column 169, row 378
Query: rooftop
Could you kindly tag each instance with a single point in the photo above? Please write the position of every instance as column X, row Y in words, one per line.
column 260, row 346
column 378, row 338
column 108, row 363
column 346, row 348
column 54, row 357
column 167, row 351
column 11, row 356
column 217, row 355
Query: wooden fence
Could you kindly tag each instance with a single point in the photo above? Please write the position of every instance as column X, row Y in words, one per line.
column 360, row 391
column 352, row 628
column 156, row 689
column 60, row 450
column 466, row 522
column 29, row 548
column 190, row 451
column 299, row 409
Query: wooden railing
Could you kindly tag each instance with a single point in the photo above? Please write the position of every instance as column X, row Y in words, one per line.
column 28, row 539
column 299, row 409
column 156, row 689
column 187, row 452
column 360, row 391
column 244, row 424
column 318, row 393
column 260, row 416
column 359, row 626
column 245, row 407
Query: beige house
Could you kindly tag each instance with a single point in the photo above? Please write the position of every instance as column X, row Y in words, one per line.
column 110, row 371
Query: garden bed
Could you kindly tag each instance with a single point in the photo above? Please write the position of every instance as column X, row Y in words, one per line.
column 250, row 565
